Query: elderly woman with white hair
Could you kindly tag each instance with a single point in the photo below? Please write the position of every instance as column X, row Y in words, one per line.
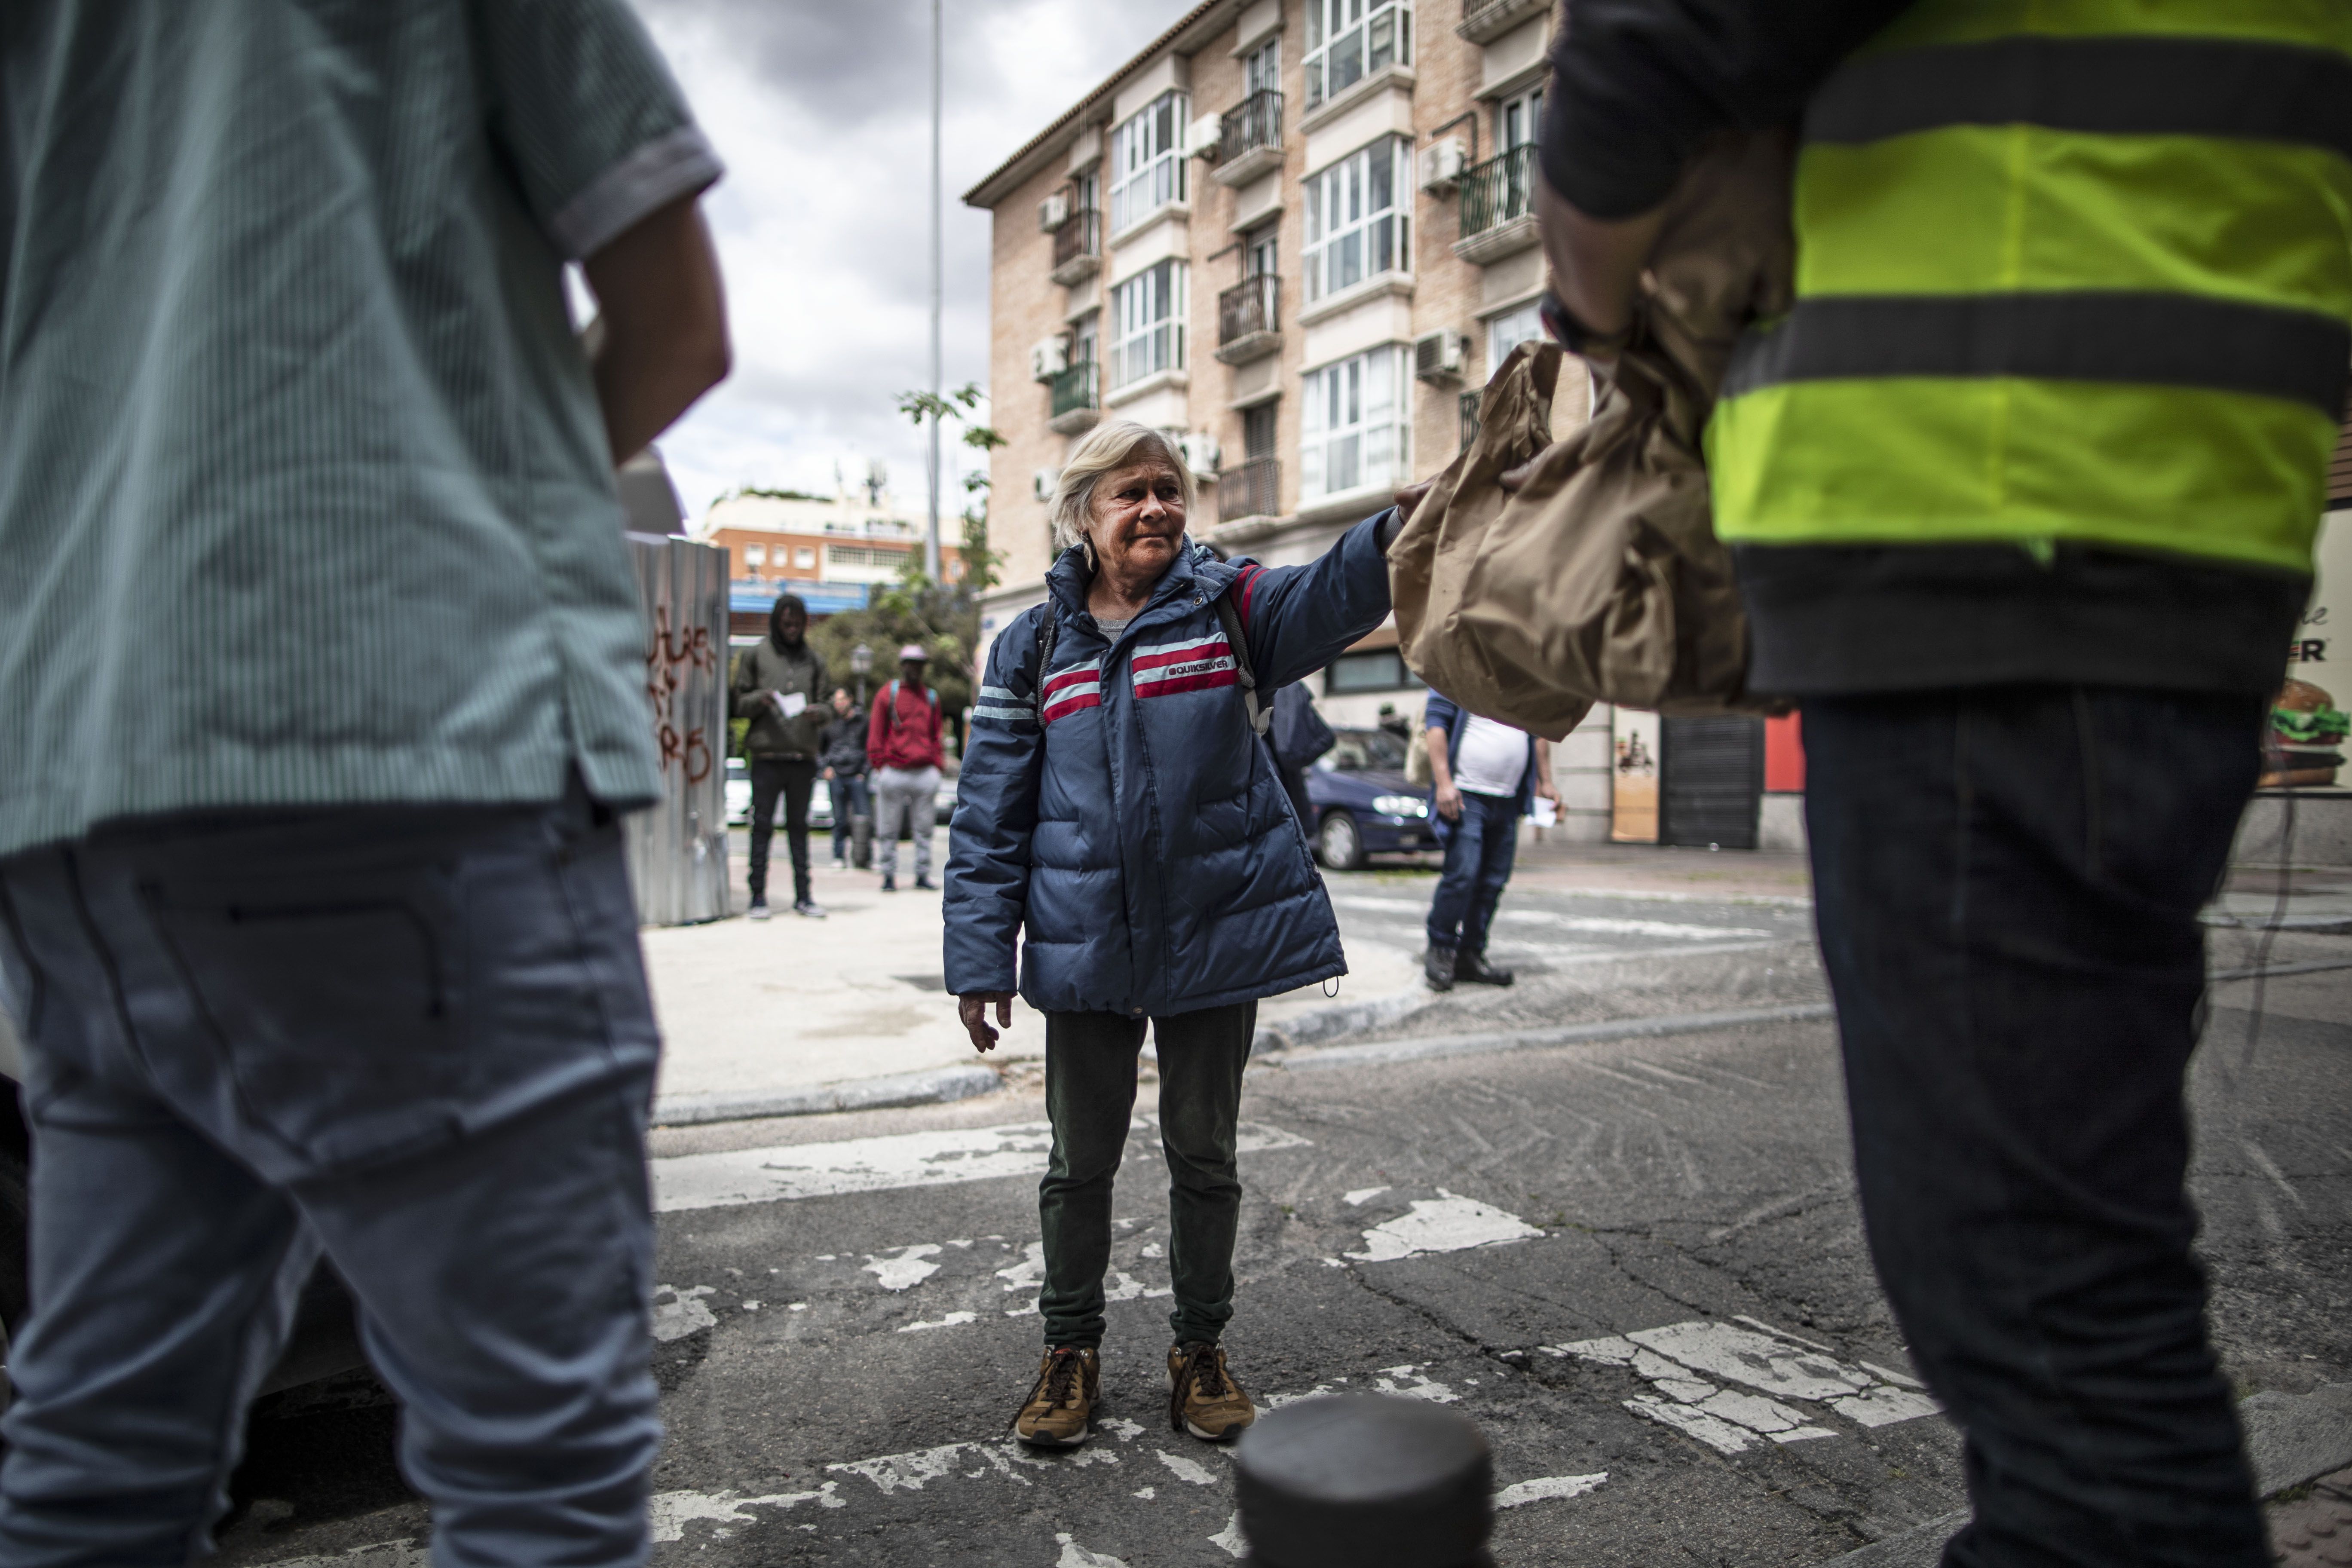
column 1123, row 834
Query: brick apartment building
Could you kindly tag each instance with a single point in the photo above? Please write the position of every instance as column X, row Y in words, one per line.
column 827, row 549
column 1298, row 235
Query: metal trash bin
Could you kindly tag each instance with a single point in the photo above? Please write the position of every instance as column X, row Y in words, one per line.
column 677, row 847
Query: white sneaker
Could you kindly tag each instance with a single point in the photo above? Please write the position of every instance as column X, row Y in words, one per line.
column 809, row 908
column 758, row 910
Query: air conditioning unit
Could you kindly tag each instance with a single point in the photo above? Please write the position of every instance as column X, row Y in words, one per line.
column 1053, row 212
column 1049, row 357
column 1442, row 163
column 1042, row 483
column 1200, row 450
column 1202, row 139
column 1438, row 356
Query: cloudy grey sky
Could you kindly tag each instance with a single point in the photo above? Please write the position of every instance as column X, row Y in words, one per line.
column 820, row 110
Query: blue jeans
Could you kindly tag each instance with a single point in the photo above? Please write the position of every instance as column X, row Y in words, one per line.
column 2007, row 883
column 417, row 1040
column 1478, row 852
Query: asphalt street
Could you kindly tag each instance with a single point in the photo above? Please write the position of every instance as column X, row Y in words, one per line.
column 1631, row 1255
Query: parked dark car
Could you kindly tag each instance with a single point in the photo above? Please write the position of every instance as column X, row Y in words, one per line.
column 1363, row 806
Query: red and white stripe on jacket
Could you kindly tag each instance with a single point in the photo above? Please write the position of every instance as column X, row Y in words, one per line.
column 1068, row 691
column 1196, row 664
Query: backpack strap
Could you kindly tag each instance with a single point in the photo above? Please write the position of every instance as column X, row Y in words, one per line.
column 1046, row 626
column 890, row 707
column 1261, row 715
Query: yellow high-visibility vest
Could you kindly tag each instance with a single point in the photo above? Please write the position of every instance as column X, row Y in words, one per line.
column 2068, row 271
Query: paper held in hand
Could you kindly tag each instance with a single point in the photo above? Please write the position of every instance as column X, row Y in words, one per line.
column 1547, row 814
column 790, row 704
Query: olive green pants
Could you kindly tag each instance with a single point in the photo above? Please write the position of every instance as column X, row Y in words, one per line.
column 1090, row 1077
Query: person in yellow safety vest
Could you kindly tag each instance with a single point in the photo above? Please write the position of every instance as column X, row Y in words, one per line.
column 2022, row 493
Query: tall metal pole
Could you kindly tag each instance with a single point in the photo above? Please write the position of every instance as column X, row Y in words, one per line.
column 931, row 540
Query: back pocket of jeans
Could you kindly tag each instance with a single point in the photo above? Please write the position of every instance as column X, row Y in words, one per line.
column 337, row 1018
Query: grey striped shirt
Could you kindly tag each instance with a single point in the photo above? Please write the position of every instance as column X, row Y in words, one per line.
column 304, row 493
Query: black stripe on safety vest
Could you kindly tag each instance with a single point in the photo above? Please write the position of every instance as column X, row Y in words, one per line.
column 2104, row 86
column 2155, row 338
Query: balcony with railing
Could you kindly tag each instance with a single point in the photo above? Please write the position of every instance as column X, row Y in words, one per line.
column 1249, row 139
column 1250, row 489
column 1483, row 21
column 1497, row 206
column 1075, row 399
column 1077, row 248
column 1249, row 320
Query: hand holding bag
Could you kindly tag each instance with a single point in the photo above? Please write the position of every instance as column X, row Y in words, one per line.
column 1601, row 579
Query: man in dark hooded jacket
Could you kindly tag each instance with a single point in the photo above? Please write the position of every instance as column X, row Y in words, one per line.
column 780, row 686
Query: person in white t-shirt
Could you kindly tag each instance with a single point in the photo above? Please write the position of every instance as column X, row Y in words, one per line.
column 1486, row 776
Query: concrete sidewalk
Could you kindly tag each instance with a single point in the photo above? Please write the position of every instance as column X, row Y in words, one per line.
column 792, row 1015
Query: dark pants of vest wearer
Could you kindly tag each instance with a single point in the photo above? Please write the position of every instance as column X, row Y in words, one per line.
column 417, row 1040
column 1478, row 856
column 1090, row 1077
column 794, row 780
column 2007, row 884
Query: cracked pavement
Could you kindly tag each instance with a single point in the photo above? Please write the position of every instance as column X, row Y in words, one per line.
column 1636, row 1262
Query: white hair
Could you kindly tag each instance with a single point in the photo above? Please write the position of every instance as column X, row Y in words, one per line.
column 1114, row 445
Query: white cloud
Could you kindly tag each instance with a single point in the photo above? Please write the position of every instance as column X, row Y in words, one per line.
column 822, row 113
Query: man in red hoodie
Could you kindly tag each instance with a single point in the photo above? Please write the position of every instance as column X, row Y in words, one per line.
column 902, row 742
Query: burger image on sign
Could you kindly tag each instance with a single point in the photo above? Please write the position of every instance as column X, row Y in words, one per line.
column 2305, row 745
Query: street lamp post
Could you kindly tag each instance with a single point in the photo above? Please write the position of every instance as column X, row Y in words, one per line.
column 931, row 538
column 861, row 664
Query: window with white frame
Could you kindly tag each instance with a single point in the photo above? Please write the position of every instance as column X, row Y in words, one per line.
column 1147, row 314
column 804, row 558
column 1356, row 435
column 1518, row 118
column 1508, row 331
column 1147, row 161
column 1358, row 222
column 1348, row 40
column 1262, row 68
column 755, row 555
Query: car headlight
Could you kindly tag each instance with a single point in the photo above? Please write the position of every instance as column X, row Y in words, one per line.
column 1400, row 805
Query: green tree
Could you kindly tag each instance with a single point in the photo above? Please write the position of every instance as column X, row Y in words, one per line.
column 979, row 561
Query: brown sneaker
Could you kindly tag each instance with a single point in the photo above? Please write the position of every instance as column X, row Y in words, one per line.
column 1202, row 1397
column 1060, row 1406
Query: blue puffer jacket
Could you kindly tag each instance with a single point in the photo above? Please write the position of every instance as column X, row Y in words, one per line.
column 1140, row 832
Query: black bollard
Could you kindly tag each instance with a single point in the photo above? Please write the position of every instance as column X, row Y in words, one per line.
column 1365, row 1480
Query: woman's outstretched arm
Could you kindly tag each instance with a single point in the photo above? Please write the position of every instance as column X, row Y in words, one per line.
column 1298, row 617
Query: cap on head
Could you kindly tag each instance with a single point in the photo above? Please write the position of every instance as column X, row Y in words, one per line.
column 913, row 651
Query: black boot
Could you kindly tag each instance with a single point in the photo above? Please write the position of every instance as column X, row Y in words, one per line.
column 1437, row 968
column 1472, row 969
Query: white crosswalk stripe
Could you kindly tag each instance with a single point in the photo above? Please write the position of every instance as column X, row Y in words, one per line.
column 1677, row 1360
column 878, row 1164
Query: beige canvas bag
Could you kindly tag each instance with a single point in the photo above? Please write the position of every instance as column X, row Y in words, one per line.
column 1601, row 580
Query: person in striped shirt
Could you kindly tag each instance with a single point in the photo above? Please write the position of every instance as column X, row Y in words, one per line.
column 327, row 674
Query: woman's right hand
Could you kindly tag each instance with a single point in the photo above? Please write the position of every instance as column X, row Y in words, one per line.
column 973, row 1009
